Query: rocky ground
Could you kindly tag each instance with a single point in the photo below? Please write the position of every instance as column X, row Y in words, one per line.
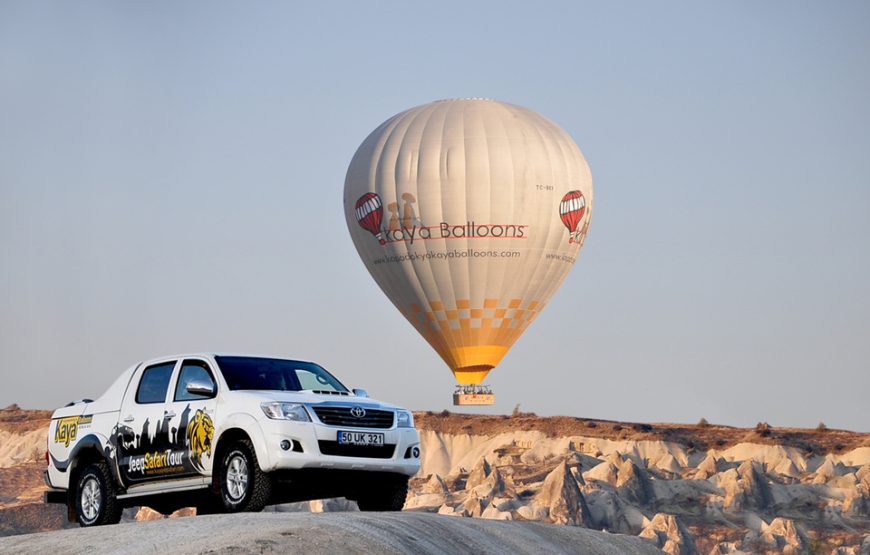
column 359, row 533
column 685, row 489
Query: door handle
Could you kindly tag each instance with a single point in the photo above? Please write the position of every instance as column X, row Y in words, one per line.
column 169, row 414
column 129, row 418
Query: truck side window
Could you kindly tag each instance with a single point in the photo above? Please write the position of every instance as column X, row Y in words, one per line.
column 192, row 371
column 154, row 383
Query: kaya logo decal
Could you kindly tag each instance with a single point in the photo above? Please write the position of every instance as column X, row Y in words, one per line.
column 68, row 428
column 571, row 210
column 369, row 213
column 200, row 433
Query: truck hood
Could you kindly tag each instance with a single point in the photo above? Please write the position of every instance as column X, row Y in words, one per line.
column 309, row 398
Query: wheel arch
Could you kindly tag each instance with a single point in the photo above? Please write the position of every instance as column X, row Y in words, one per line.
column 88, row 450
column 91, row 449
column 243, row 426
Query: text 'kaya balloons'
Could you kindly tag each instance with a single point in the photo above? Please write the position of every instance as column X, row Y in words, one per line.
column 468, row 214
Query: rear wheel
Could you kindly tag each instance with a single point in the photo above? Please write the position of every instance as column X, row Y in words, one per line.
column 384, row 495
column 95, row 501
column 243, row 486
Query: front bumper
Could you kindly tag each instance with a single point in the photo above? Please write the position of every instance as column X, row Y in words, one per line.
column 308, row 441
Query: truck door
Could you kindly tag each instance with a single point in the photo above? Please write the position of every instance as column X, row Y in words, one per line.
column 190, row 412
column 143, row 436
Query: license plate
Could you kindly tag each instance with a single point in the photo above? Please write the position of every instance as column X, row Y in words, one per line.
column 360, row 438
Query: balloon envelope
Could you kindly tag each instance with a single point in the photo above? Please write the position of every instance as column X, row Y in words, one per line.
column 468, row 214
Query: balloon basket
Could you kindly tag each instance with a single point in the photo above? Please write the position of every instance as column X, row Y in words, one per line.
column 470, row 395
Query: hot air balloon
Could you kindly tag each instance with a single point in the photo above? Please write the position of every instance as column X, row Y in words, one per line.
column 369, row 212
column 488, row 206
column 571, row 210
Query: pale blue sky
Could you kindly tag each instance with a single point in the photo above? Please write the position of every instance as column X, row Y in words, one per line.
column 171, row 180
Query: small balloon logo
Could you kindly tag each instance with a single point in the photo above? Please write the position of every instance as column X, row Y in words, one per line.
column 369, row 212
column 571, row 210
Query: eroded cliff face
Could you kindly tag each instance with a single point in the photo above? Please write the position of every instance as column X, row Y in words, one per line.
column 23, row 436
column 743, row 497
column 687, row 489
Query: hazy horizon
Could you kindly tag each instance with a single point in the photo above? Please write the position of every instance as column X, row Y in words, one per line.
column 171, row 181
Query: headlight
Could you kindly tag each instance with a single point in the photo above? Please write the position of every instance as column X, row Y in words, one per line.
column 404, row 419
column 285, row 411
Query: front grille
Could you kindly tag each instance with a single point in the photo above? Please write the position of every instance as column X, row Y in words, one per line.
column 367, row 451
column 341, row 416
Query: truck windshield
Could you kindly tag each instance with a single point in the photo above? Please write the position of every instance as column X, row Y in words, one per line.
column 273, row 374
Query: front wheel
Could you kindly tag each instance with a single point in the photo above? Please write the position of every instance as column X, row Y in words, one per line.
column 243, row 486
column 386, row 495
column 95, row 501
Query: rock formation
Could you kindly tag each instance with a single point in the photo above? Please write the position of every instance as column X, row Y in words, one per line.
column 737, row 497
column 704, row 489
column 561, row 495
column 669, row 534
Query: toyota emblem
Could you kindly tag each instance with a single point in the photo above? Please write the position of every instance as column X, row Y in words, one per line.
column 358, row 412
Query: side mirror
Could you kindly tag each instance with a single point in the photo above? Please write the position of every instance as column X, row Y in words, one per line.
column 360, row 392
column 198, row 387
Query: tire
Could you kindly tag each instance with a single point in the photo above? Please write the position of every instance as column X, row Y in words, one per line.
column 243, row 486
column 386, row 495
column 95, row 501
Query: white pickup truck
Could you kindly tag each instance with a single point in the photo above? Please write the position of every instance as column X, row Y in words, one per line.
column 227, row 433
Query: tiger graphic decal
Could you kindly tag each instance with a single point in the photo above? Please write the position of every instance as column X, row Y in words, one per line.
column 200, row 433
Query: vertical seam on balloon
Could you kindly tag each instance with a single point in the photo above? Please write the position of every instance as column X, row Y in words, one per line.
column 549, row 228
column 451, row 340
column 496, row 334
column 419, row 291
column 390, row 278
column 507, row 334
column 430, row 333
column 448, row 337
column 382, row 278
column 455, row 339
column 464, row 337
column 547, row 287
column 469, row 195
column 445, row 338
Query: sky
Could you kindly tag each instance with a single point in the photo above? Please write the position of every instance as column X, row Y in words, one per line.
column 171, row 180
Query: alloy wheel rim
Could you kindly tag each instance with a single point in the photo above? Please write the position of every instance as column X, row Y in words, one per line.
column 91, row 498
column 237, row 477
